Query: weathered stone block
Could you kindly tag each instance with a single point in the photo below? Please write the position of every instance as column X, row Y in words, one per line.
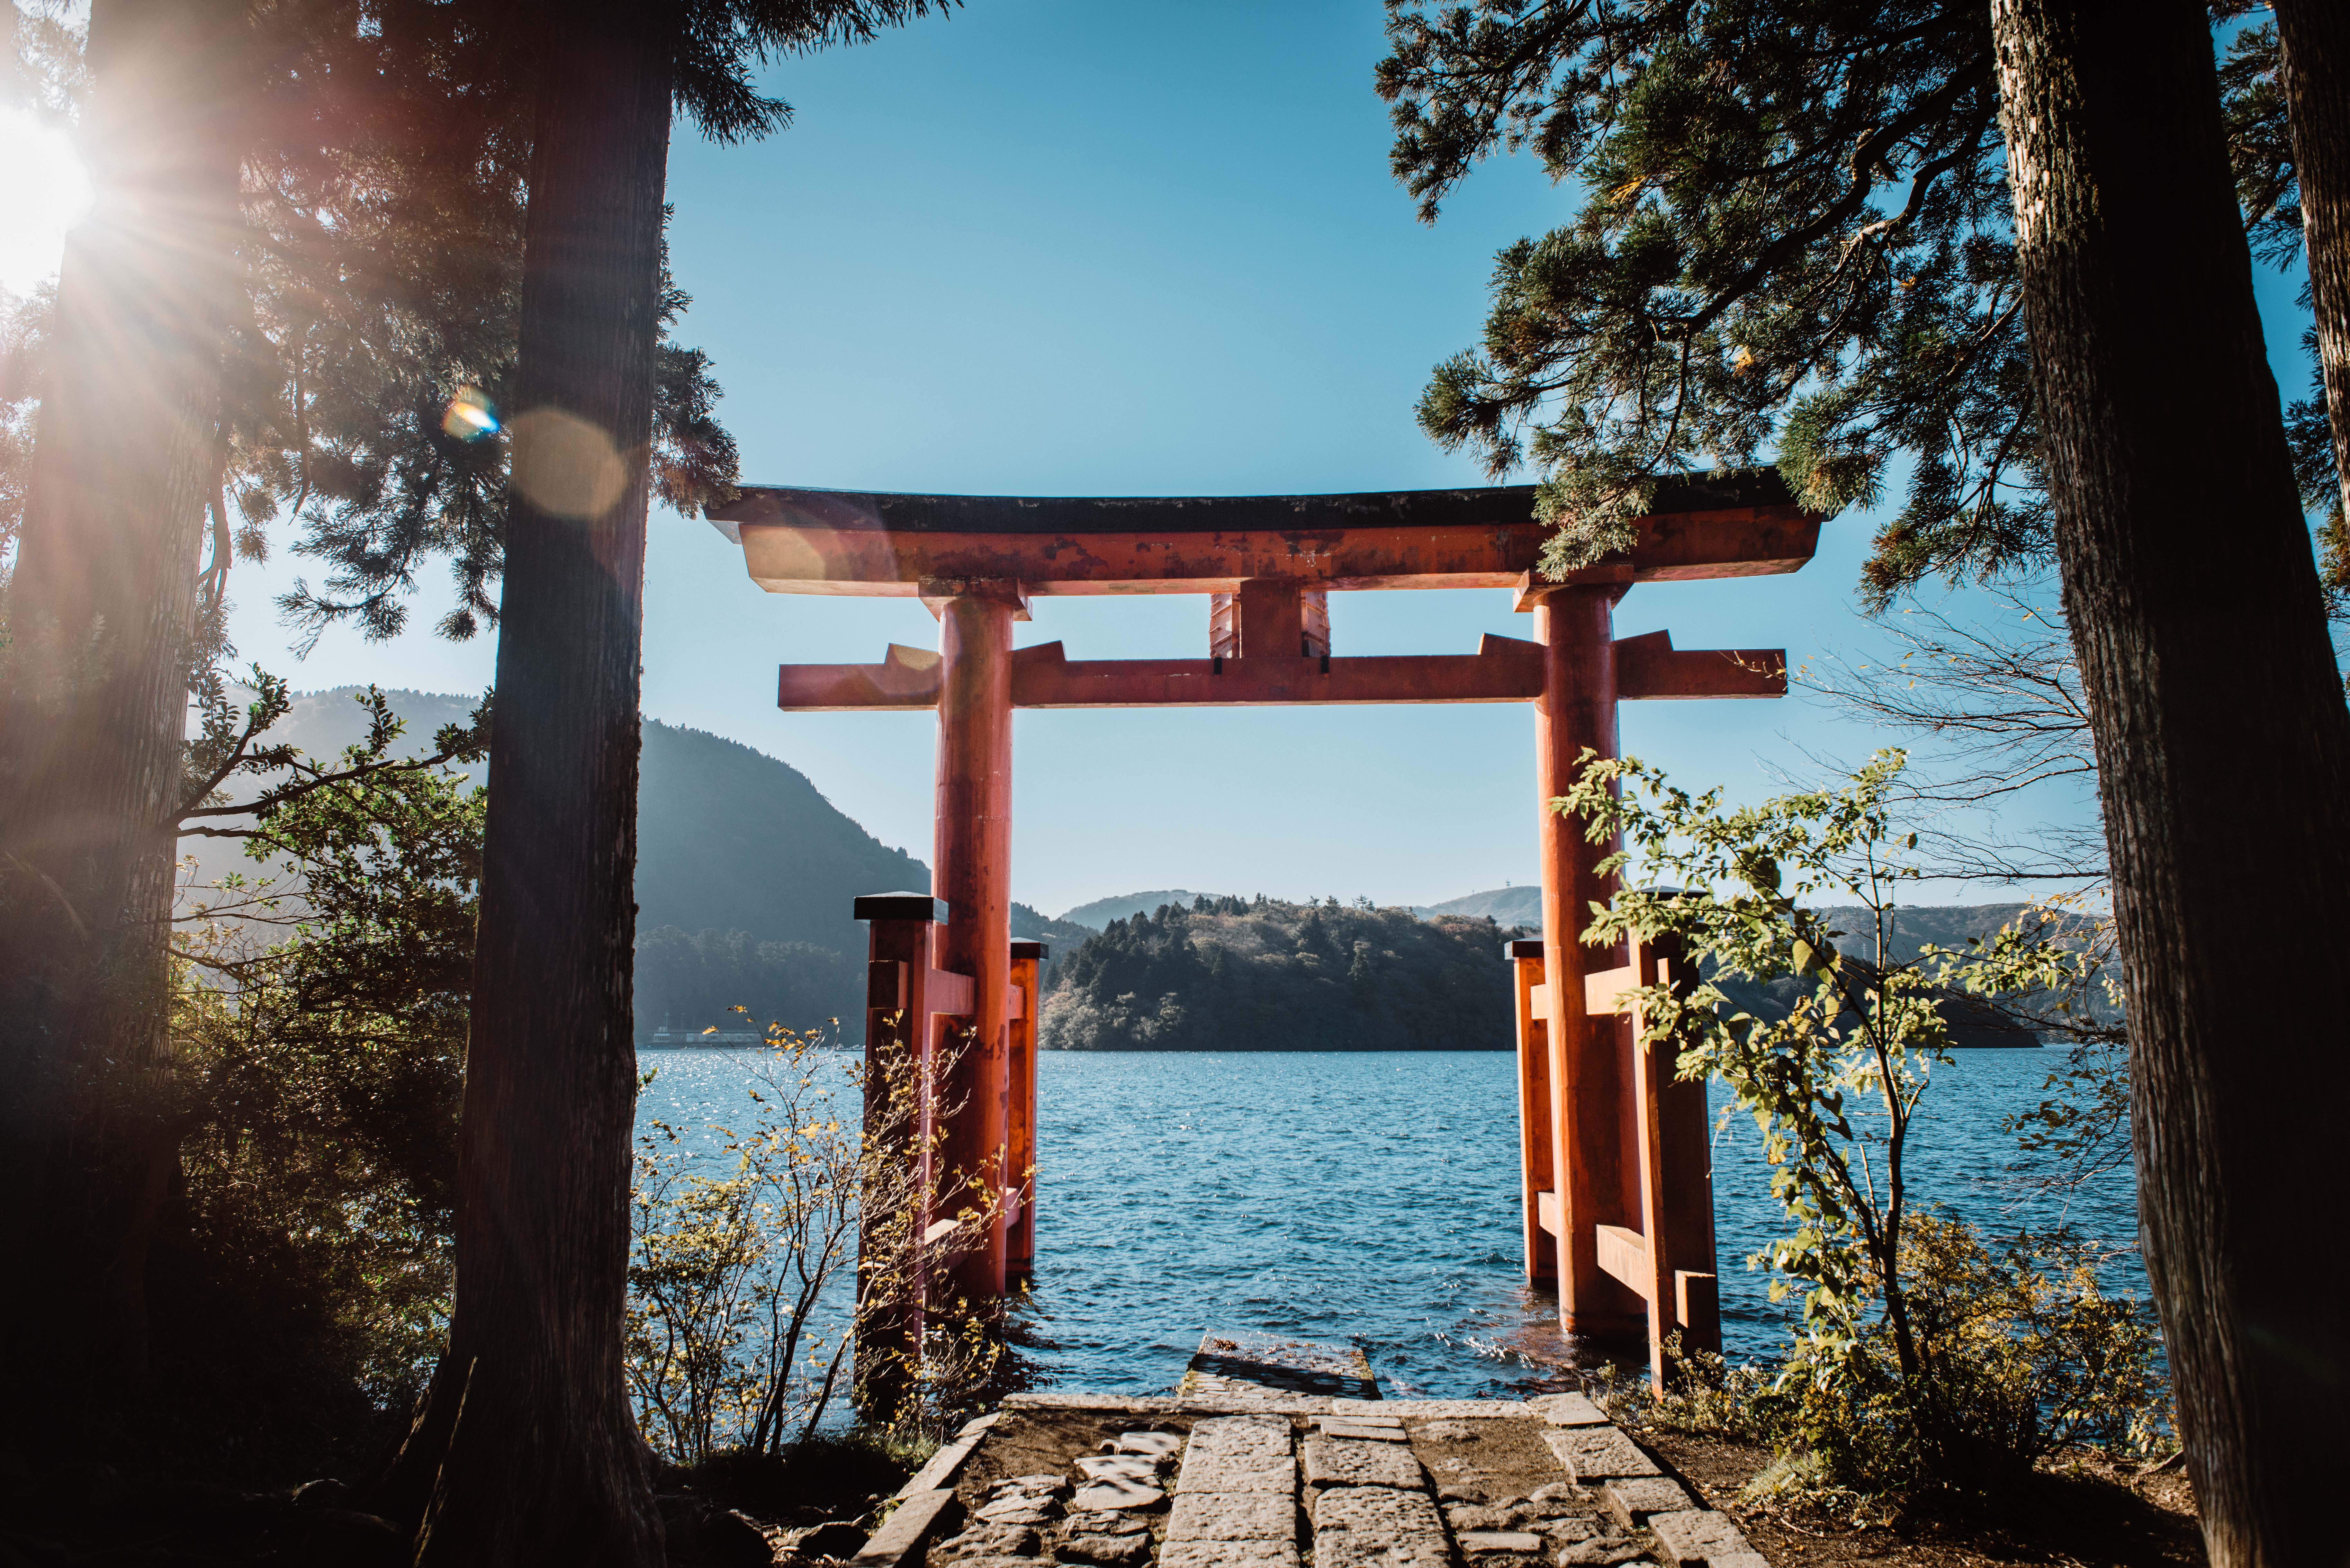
column 1110, row 1496
column 1699, row 1537
column 1090, row 1523
column 1334, row 1428
column 1238, row 1453
column 1467, row 1516
column 1244, row 1473
column 1378, row 1527
column 1633, row 1500
column 1432, row 1409
column 946, row 1464
column 917, row 1517
column 1594, row 1453
column 990, row 1540
column 1152, row 1445
column 1602, row 1553
column 1228, row 1554
column 1568, row 1410
column 1119, row 1467
column 1021, row 1512
column 1234, row 1435
column 1341, row 1462
column 1485, row 1542
column 1105, row 1550
column 1233, row 1516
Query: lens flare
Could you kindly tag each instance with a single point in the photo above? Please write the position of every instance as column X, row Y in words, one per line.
column 44, row 192
column 566, row 465
column 470, row 415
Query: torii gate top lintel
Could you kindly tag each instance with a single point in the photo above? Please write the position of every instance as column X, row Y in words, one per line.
column 857, row 542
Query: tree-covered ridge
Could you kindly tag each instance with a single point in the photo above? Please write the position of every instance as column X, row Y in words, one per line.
column 691, row 982
column 1234, row 975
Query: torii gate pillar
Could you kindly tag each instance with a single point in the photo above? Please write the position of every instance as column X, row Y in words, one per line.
column 1576, row 710
column 972, row 872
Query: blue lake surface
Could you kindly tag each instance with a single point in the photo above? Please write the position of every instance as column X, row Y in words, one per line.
column 1372, row 1197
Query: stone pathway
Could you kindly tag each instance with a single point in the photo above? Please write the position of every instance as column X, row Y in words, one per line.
column 1264, row 1477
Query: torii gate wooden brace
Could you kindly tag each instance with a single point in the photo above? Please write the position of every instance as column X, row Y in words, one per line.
column 1609, row 1166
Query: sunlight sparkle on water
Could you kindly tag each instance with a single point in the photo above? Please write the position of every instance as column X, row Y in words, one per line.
column 43, row 192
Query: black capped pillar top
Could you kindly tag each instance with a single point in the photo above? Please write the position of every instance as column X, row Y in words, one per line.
column 901, row 907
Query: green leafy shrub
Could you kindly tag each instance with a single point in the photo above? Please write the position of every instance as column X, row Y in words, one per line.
column 1926, row 1355
column 728, row 1345
column 318, row 1023
column 738, row 1333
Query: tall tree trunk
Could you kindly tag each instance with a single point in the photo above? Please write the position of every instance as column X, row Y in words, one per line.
column 93, row 687
column 2223, row 746
column 2313, row 68
column 526, row 1451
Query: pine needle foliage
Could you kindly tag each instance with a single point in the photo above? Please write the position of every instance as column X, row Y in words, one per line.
column 1793, row 242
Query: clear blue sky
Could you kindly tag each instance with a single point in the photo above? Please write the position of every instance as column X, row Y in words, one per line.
column 1046, row 247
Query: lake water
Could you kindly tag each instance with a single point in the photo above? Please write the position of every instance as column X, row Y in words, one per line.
column 1372, row 1197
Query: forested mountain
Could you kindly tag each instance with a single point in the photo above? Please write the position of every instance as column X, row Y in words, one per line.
column 746, row 872
column 691, row 982
column 1229, row 974
column 1517, row 905
column 1098, row 915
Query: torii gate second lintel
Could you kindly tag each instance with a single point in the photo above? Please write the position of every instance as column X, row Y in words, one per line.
column 1606, row 1162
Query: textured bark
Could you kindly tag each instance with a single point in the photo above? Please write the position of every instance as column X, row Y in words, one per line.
column 2313, row 67
column 526, row 1451
column 93, row 687
column 2223, row 747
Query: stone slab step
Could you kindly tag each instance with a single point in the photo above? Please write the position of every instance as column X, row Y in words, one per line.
column 1701, row 1538
column 1232, row 1363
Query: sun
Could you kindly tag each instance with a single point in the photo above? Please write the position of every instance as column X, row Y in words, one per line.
column 43, row 192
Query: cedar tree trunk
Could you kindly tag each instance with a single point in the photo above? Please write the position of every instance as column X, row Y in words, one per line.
column 2223, row 746
column 93, row 689
column 2313, row 68
column 526, row 1450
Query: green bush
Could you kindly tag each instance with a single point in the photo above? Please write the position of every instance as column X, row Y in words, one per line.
column 1926, row 1355
column 738, row 1339
column 318, row 1025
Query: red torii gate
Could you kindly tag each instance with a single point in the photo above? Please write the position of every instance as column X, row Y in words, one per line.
column 1616, row 1188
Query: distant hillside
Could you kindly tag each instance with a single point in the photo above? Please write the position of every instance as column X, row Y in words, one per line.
column 732, row 839
column 727, row 838
column 1231, row 975
column 1518, row 905
column 744, row 868
column 1061, row 936
column 1910, row 929
column 1944, row 924
column 1098, row 915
